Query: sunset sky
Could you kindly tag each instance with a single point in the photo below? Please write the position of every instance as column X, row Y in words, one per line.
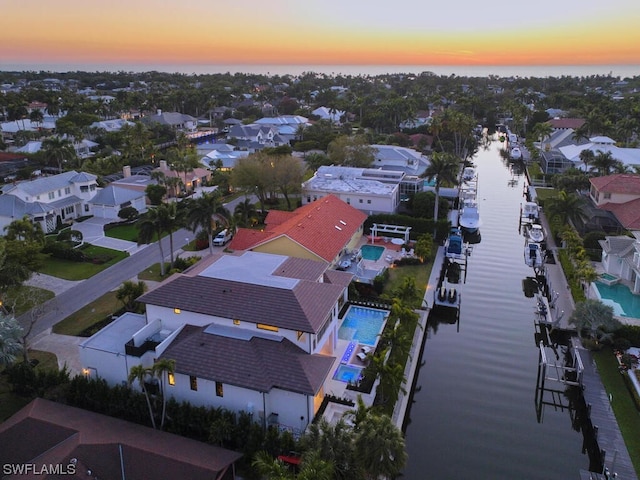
column 366, row 32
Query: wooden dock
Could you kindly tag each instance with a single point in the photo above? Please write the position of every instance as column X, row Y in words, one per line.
column 608, row 436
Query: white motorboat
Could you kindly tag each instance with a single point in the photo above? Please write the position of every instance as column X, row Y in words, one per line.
column 533, row 255
column 516, row 153
column 468, row 174
column 469, row 219
column 529, row 212
column 454, row 246
column 535, row 233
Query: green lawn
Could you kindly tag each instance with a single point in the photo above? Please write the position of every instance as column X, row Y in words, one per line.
column 81, row 270
column 545, row 193
column 123, row 232
column 23, row 298
column 623, row 405
column 421, row 274
column 10, row 403
column 89, row 315
column 152, row 273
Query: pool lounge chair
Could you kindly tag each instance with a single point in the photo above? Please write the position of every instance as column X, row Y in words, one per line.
column 365, row 349
column 362, row 356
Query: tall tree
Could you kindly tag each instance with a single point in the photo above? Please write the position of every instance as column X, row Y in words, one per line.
column 604, row 162
column 58, row 150
column 10, row 335
column 204, row 213
column 141, row 375
column 128, row 292
column 352, row 151
column 594, row 320
column 161, row 369
column 380, row 447
column 565, row 207
column 443, row 167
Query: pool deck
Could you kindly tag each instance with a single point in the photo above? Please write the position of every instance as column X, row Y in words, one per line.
column 366, row 270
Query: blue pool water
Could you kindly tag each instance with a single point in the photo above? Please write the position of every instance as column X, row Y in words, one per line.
column 429, row 183
column 362, row 324
column 371, row 252
column 624, row 303
column 347, row 374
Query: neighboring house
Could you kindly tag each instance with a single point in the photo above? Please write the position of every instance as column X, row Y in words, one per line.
column 83, row 148
column 222, row 152
column 11, row 163
column 113, row 198
column 177, row 121
column 55, row 199
column 368, row 189
column 392, row 157
column 630, row 157
column 262, row 135
column 421, row 119
column 254, row 332
column 330, row 114
column 566, row 123
column 190, row 180
column 291, row 120
column 620, row 195
column 621, row 257
column 111, row 125
column 323, row 231
column 46, row 435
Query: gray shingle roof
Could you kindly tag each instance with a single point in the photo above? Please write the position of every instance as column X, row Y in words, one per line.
column 302, row 308
column 12, row 206
column 46, row 184
column 617, row 245
column 258, row 364
column 115, row 196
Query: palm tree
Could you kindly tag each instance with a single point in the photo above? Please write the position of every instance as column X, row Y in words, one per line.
column 150, row 227
column 161, row 369
column 564, row 208
column 245, row 211
column 202, row 214
column 334, row 444
column 541, row 131
column 170, row 222
column 58, row 149
column 140, row 373
column 593, row 319
column 380, row 447
column 128, row 292
column 443, row 167
column 587, row 156
column 604, row 162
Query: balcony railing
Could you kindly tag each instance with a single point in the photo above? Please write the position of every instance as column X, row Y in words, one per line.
column 147, row 346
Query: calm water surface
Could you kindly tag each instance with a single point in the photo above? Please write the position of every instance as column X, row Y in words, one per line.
column 474, row 416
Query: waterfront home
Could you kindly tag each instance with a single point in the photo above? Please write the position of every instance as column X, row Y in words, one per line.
column 46, row 435
column 621, row 259
column 178, row 121
column 370, row 190
column 255, row 332
column 630, row 157
column 49, row 200
column 402, row 159
column 620, row 195
column 323, row 230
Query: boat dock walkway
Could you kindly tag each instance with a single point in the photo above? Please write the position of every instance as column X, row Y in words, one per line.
column 608, row 436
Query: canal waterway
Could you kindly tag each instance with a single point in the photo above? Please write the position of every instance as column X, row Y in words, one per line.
column 474, row 414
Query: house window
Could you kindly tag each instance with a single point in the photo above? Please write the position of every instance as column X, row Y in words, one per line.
column 59, row 193
column 171, row 379
column 264, row 326
column 92, row 187
column 348, row 201
column 607, row 196
column 84, row 189
column 193, row 382
column 68, row 210
column 52, row 195
column 359, row 200
column 219, row 390
column 67, row 190
column 369, row 202
column 176, row 311
column 308, row 198
column 236, row 322
column 86, row 208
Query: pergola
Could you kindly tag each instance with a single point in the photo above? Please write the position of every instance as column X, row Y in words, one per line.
column 397, row 229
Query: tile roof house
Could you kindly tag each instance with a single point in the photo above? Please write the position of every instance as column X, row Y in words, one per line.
column 620, row 195
column 248, row 332
column 566, row 123
column 190, row 180
column 629, row 157
column 49, row 200
column 322, row 230
column 45, row 435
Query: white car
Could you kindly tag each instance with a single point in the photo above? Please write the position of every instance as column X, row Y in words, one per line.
column 222, row 238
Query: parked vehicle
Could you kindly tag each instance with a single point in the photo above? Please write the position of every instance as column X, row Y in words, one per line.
column 223, row 238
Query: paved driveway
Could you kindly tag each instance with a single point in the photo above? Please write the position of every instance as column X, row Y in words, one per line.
column 92, row 231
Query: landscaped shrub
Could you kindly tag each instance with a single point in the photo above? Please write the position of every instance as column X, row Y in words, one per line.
column 26, row 380
column 181, row 264
column 380, row 280
column 128, row 213
column 64, row 251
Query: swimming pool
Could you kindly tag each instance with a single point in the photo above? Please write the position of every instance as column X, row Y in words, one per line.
column 347, row 374
column 624, row 303
column 371, row 252
column 363, row 325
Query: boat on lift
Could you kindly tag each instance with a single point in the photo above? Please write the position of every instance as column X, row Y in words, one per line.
column 468, row 174
column 529, row 212
column 515, row 154
column 469, row 219
column 533, row 255
column 454, row 246
column 448, row 294
column 535, row 233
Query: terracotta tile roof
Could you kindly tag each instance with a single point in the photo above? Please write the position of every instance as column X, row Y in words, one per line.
column 566, row 122
column 323, row 227
column 303, row 308
column 257, row 363
column 46, row 432
column 276, row 217
column 628, row 213
column 617, row 183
